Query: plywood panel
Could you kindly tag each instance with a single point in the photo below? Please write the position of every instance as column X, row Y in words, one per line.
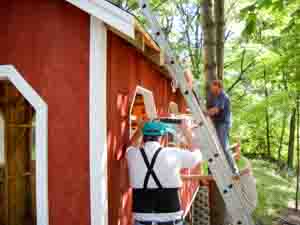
column 48, row 42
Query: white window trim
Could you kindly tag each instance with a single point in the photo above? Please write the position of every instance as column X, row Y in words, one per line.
column 148, row 101
column 98, row 123
column 109, row 14
column 9, row 72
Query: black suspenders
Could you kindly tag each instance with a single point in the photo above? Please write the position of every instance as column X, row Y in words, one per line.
column 150, row 166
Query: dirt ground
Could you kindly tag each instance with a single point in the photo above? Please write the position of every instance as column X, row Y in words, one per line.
column 288, row 217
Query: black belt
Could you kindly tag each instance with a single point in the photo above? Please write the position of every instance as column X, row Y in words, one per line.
column 156, row 200
column 174, row 222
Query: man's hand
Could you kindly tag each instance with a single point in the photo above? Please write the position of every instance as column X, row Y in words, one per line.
column 213, row 111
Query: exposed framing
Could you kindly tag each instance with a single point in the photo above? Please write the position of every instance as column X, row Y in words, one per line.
column 9, row 72
column 148, row 101
column 2, row 138
column 98, row 122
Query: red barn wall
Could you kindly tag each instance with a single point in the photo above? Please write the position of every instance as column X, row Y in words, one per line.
column 48, row 42
column 127, row 68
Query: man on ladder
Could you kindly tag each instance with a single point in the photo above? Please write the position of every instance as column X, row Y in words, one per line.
column 154, row 173
column 220, row 113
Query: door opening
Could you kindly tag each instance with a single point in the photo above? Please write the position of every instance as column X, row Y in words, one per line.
column 17, row 158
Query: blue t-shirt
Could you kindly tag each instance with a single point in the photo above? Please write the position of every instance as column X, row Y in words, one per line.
column 222, row 102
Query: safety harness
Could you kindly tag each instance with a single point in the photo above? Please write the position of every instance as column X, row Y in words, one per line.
column 154, row 200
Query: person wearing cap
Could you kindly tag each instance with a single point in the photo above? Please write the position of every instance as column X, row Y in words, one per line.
column 220, row 113
column 154, row 172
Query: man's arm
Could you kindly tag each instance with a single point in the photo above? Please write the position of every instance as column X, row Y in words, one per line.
column 193, row 158
column 187, row 132
column 135, row 140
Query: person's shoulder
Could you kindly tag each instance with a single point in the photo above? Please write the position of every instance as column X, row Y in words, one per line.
column 131, row 150
column 225, row 95
column 170, row 148
column 173, row 150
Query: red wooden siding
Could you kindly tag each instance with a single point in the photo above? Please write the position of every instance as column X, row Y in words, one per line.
column 48, row 42
column 126, row 69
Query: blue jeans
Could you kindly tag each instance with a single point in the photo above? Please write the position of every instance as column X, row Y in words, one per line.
column 222, row 130
column 154, row 223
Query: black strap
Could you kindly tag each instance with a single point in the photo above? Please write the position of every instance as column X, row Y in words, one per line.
column 150, row 171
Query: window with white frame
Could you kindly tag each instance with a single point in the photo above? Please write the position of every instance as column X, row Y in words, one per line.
column 143, row 106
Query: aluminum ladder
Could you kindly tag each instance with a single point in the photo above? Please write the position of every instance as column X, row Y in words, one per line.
column 211, row 149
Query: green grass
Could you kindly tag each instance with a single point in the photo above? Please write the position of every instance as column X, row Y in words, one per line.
column 275, row 191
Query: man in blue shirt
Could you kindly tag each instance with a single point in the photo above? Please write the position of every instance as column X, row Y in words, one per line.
column 220, row 113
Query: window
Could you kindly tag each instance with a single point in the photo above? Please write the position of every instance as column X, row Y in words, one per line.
column 143, row 106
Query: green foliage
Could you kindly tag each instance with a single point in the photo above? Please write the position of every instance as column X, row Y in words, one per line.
column 269, row 89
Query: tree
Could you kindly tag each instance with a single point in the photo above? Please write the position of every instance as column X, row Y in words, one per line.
column 209, row 45
column 220, row 33
column 290, row 161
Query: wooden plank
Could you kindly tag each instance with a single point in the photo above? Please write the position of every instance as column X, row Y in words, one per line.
column 6, row 185
column 197, row 177
column 12, row 165
column 13, row 125
column 147, row 38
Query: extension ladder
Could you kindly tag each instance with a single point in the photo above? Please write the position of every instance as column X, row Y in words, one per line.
column 230, row 189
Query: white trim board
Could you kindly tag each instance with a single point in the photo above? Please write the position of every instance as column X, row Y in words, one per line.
column 98, row 123
column 148, row 101
column 109, row 14
column 9, row 72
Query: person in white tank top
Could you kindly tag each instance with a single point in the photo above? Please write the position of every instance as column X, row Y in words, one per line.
column 154, row 172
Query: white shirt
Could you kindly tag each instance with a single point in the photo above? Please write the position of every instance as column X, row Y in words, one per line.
column 167, row 168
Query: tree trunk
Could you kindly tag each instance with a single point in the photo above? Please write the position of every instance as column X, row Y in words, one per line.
column 268, row 133
column 290, row 161
column 284, row 121
column 281, row 138
column 210, row 73
column 220, row 33
column 209, row 45
column 267, row 116
column 298, row 151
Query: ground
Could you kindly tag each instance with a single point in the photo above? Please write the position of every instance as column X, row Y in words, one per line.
column 276, row 191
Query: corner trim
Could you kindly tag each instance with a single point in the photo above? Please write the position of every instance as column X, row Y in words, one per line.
column 98, row 123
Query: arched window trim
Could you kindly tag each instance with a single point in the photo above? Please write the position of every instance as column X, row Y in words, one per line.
column 10, row 73
column 148, row 101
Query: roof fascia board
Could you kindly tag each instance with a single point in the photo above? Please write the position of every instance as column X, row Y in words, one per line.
column 109, row 14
